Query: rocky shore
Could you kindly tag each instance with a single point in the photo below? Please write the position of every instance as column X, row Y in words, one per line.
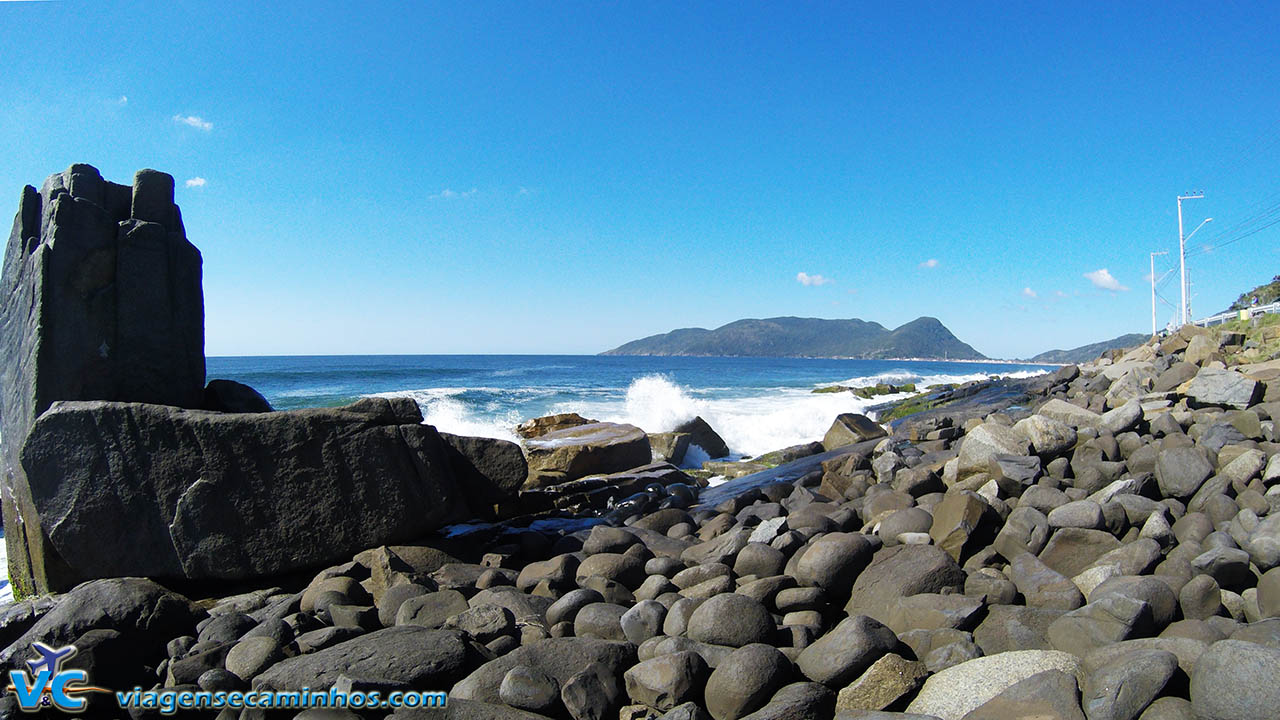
column 1101, row 542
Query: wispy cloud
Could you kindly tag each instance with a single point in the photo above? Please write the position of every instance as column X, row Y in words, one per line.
column 1028, row 292
column 524, row 191
column 448, row 194
column 929, row 264
column 124, row 100
column 196, row 182
column 811, row 280
column 1059, row 293
column 194, row 121
column 1102, row 279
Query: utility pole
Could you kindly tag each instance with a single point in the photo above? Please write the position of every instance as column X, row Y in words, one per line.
column 1182, row 253
column 1153, row 291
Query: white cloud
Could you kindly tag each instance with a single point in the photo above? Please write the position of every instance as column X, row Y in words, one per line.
column 1028, row 292
column 194, row 121
column 524, row 191
column 448, row 194
column 812, row 280
column 1059, row 293
column 1102, row 279
column 930, row 263
column 196, row 182
column 124, row 100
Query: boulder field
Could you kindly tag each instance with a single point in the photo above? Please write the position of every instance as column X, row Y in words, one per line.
column 1102, row 549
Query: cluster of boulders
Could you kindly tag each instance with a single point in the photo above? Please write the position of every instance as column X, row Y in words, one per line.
column 1107, row 549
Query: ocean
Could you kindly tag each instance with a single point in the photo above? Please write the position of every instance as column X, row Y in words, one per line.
column 756, row 404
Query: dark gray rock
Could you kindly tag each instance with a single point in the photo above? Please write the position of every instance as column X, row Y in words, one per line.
column 144, row 614
column 560, row 658
column 1050, row 695
column 488, row 471
column 896, row 572
column 416, row 656
column 165, row 494
column 113, row 266
column 430, row 610
column 1224, row 388
column 732, row 620
column 525, row 688
column 667, row 680
column 702, row 435
column 592, row 693
column 833, row 562
column 846, row 651
column 1180, row 471
column 230, row 396
column 797, row 701
column 1124, row 687
column 744, row 681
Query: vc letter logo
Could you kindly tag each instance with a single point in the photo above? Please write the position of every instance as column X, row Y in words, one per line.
column 48, row 685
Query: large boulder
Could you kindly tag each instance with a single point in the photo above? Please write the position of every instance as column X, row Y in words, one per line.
column 559, row 658
column 987, row 441
column 144, row 614
column 1236, row 680
column 702, row 435
column 129, row 489
column 489, row 471
column 102, row 301
column 960, row 689
column 540, row 426
column 591, row 449
column 1223, row 388
column 849, row 429
column 417, row 657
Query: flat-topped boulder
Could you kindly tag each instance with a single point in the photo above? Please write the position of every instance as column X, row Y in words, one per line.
column 539, row 426
column 591, row 449
column 125, row 489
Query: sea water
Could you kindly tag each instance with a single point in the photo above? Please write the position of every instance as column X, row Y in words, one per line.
column 755, row 404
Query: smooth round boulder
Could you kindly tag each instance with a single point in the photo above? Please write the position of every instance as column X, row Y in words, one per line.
column 627, row 570
column 833, row 562
column 910, row 520
column 667, row 680
column 564, row 609
column 732, row 620
column 600, row 620
column 1236, row 680
column 745, row 681
column 526, row 688
column 643, row 621
column 848, row 649
column 760, row 560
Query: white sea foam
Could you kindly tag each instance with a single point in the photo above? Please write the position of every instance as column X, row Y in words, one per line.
column 442, row 408
column 752, row 421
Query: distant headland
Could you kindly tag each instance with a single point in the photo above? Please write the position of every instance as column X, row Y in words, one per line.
column 924, row 338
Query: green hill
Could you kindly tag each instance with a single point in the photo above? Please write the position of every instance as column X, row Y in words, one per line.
column 1266, row 294
column 1085, row 353
column 923, row 337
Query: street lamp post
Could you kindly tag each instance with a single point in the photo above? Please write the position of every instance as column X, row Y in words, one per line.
column 1182, row 252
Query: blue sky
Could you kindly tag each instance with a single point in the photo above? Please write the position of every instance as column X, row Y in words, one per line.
column 564, row 177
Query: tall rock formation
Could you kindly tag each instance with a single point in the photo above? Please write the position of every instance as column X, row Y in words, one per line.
column 102, row 301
